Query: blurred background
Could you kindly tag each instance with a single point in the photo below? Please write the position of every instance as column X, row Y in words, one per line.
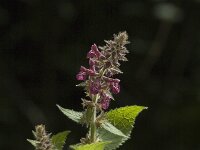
column 43, row 43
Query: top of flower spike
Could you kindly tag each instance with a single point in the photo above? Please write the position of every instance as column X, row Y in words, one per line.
column 43, row 138
column 104, row 64
column 117, row 47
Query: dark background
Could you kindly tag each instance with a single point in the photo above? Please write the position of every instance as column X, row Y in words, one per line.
column 44, row 42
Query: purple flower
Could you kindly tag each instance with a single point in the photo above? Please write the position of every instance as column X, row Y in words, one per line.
column 105, row 101
column 115, row 87
column 95, row 49
column 81, row 76
column 91, row 72
column 95, row 87
column 94, row 52
column 91, row 54
column 87, row 71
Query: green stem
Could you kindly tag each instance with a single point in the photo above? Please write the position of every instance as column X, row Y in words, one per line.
column 93, row 132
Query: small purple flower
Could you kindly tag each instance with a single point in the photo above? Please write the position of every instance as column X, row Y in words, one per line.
column 87, row 71
column 91, row 72
column 94, row 52
column 105, row 101
column 115, row 87
column 95, row 49
column 91, row 54
column 81, row 76
column 95, row 87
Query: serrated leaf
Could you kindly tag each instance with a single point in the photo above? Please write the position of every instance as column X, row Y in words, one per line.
column 109, row 127
column 71, row 114
column 59, row 139
column 33, row 142
column 93, row 146
column 123, row 119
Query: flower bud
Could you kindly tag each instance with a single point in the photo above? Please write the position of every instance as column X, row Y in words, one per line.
column 43, row 139
column 105, row 101
column 81, row 76
column 91, row 54
column 95, row 49
column 115, row 87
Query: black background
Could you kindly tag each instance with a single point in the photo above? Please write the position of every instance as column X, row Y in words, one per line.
column 44, row 42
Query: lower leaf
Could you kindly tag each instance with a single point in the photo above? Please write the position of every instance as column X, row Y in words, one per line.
column 71, row 114
column 59, row 139
column 93, row 146
column 123, row 119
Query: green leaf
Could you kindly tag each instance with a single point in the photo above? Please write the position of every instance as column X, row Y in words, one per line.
column 71, row 114
column 59, row 139
column 33, row 142
column 109, row 127
column 93, row 146
column 34, row 133
column 123, row 119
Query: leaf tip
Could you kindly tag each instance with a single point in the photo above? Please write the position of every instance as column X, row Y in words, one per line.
column 58, row 105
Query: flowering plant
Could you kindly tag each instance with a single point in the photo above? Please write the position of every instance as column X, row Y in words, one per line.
column 106, row 130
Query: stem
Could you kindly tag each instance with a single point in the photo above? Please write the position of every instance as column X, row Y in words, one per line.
column 93, row 134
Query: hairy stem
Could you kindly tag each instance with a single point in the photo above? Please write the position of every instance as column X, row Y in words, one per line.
column 93, row 134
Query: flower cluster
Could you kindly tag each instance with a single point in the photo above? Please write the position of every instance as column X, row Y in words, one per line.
column 42, row 138
column 99, row 79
